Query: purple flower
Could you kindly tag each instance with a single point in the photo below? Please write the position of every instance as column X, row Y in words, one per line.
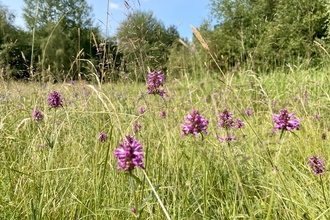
column 228, row 138
column 54, row 99
column 141, row 110
column 324, row 136
column 102, row 136
column 129, row 154
column 163, row 114
column 155, row 80
column 317, row 164
column 248, row 112
column 316, row 116
column 37, row 115
column 239, row 124
column 226, row 120
column 194, row 124
column 133, row 209
column 285, row 121
column 306, row 96
column 136, row 127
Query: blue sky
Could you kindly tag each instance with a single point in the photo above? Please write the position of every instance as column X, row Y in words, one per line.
column 181, row 13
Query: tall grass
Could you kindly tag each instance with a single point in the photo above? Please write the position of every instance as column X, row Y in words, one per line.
column 58, row 169
column 257, row 176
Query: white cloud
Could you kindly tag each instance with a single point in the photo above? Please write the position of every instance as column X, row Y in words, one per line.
column 113, row 6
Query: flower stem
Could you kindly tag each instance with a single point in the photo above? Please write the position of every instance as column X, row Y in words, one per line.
column 325, row 198
column 158, row 199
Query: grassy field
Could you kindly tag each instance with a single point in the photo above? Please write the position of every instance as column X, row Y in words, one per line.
column 57, row 168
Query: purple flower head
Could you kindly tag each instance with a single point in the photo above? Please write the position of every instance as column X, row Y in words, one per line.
column 37, row 115
column 248, row 112
column 54, row 99
column 141, row 110
column 194, row 124
column 163, row 114
column 155, row 80
column 324, row 136
column 102, row 136
column 316, row 116
column 285, row 121
column 239, row 124
column 228, row 138
column 317, row 164
column 136, row 127
column 129, row 154
column 226, row 120
column 133, row 209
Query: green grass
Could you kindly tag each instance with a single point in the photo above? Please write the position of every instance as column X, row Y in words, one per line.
column 194, row 177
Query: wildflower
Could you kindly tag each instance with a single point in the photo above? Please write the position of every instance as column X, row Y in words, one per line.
column 129, row 154
column 228, row 138
column 136, row 127
column 207, row 99
column 285, row 121
column 226, row 120
column 194, row 124
column 141, row 110
column 239, row 123
column 102, row 136
column 37, row 115
column 324, row 136
column 317, row 164
column 316, row 116
column 54, row 99
column 133, row 209
column 248, row 112
column 155, row 80
column 306, row 96
column 163, row 114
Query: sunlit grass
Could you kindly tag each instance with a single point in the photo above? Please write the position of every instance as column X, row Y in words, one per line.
column 260, row 175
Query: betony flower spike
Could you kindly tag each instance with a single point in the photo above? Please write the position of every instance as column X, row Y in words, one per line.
column 194, row 124
column 317, row 164
column 37, row 115
column 129, row 154
column 155, row 80
column 55, row 99
column 285, row 121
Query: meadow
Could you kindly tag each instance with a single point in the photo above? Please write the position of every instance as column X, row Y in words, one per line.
column 58, row 167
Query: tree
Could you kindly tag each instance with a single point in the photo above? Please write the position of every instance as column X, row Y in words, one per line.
column 62, row 30
column 11, row 41
column 262, row 34
column 145, row 42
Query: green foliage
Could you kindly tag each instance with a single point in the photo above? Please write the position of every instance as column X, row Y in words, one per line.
column 10, row 38
column 145, row 42
column 62, row 30
column 195, row 177
column 110, row 60
column 264, row 34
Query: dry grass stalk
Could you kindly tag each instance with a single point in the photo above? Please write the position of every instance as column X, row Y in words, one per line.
column 200, row 38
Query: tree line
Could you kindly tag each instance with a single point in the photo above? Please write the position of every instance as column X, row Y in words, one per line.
column 264, row 34
column 61, row 42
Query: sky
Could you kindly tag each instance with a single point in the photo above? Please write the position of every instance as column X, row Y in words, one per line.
column 181, row 13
